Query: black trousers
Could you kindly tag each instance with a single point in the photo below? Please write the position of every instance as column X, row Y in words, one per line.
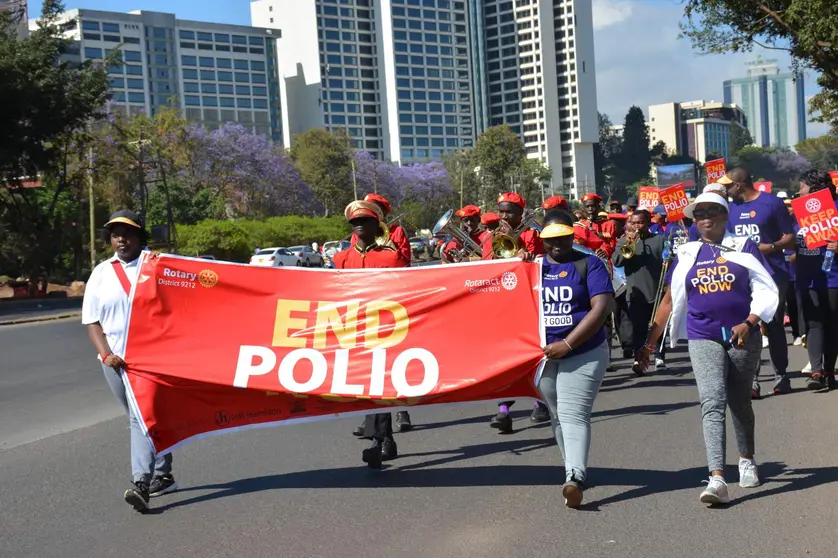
column 820, row 308
column 777, row 344
column 640, row 313
column 794, row 309
column 624, row 325
column 378, row 426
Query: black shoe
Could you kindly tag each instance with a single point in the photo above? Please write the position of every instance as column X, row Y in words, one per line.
column 628, row 353
column 137, row 496
column 389, row 449
column 403, row 421
column 755, row 391
column 610, row 368
column 540, row 414
column 783, row 385
column 503, row 422
column 572, row 492
column 162, row 484
column 815, row 382
column 359, row 431
column 372, row 455
column 831, row 383
column 637, row 369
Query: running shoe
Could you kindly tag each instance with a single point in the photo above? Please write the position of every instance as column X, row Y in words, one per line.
column 540, row 414
column 503, row 422
column 572, row 493
column 816, row 381
column 798, row 341
column 715, row 493
column 137, row 496
column 806, row 369
column 748, row 475
column 783, row 385
column 162, row 484
column 764, row 342
column 755, row 391
column 660, row 364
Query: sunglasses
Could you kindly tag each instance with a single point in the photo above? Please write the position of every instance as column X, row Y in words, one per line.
column 709, row 213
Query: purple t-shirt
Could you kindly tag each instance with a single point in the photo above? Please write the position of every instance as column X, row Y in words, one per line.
column 810, row 274
column 764, row 220
column 718, row 292
column 566, row 298
column 693, row 236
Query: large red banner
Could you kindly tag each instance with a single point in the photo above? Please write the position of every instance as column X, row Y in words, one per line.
column 715, row 169
column 214, row 346
column 818, row 218
column 834, row 175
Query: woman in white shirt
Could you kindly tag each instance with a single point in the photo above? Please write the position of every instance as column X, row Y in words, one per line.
column 105, row 313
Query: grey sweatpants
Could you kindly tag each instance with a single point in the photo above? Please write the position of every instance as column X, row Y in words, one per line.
column 144, row 461
column 724, row 378
column 569, row 387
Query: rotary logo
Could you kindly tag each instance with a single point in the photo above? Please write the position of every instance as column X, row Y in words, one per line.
column 509, row 280
column 563, row 274
column 720, row 260
column 813, row 205
column 208, row 278
column 753, row 214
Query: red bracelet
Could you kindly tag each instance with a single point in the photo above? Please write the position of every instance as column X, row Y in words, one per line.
column 105, row 356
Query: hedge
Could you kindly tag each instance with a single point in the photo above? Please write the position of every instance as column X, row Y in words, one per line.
column 237, row 239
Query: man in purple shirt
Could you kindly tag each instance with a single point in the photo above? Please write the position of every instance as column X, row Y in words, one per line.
column 764, row 218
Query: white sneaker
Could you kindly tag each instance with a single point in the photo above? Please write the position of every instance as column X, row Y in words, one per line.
column 807, row 369
column 660, row 364
column 716, row 492
column 748, row 477
column 764, row 342
column 798, row 341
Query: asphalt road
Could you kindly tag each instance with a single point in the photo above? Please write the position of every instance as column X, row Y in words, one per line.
column 459, row 489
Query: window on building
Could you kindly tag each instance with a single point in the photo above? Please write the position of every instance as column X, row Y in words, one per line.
column 225, row 76
column 207, row 62
column 90, row 52
column 133, row 70
column 242, row 77
column 136, row 97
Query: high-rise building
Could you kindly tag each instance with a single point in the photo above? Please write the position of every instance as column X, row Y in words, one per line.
column 20, row 9
column 410, row 80
column 697, row 128
column 774, row 103
column 215, row 73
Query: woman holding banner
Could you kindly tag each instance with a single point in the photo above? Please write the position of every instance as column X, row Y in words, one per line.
column 577, row 297
column 819, row 293
column 105, row 313
column 719, row 290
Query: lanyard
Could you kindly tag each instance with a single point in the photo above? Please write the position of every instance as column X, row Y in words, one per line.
column 122, row 276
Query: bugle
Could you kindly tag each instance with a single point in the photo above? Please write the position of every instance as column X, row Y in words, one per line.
column 469, row 246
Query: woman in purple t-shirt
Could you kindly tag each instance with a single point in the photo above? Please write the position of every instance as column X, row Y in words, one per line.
column 577, row 297
column 719, row 290
column 819, row 293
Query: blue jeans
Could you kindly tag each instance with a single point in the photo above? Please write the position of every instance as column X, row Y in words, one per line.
column 569, row 387
column 144, row 460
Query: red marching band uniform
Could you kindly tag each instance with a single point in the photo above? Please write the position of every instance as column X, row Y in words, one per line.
column 529, row 240
column 479, row 237
column 397, row 234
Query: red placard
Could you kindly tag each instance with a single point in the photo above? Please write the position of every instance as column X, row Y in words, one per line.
column 215, row 346
column 674, row 200
column 763, row 187
column 817, row 217
column 647, row 197
column 715, row 170
column 834, row 175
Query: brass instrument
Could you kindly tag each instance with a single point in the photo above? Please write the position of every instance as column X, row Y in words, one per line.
column 383, row 236
column 469, row 247
column 383, row 227
column 507, row 245
column 629, row 249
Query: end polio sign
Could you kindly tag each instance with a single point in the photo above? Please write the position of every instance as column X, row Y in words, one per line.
column 817, row 217
column 715, row 169
column 674, row 200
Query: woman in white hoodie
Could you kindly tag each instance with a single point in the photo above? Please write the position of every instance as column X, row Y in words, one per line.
column 719, row 290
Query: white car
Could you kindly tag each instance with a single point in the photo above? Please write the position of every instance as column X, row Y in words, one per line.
column 274, row 257
column 307, row 256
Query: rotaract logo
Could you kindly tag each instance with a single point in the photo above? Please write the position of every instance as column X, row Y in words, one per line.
column 813, row 205
column 208, row 278
column 509, row 280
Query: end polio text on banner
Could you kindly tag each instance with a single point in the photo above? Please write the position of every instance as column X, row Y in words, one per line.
column 647, row 197
column 674, row 200
column 817, row 217
column 715, row 169
column 214, row 346
column 763, row 187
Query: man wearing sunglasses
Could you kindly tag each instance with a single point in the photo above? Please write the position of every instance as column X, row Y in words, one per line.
column 764, row 218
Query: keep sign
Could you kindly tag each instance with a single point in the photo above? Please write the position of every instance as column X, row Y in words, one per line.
column 817, row 217
column 763, row 187
column 674, row 200
column 834, row 175
column 647, row 197
column 715, row 170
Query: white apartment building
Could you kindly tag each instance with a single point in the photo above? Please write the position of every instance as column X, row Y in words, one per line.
column 410, row 80
column 215, row 73
column 696, row 128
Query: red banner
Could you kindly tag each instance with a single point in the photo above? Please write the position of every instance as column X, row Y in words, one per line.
column 674, row 200
column 817, row 217
column 763, row 187
column 647, row 197
column 834, row 175
column 715, row 170
column 215, row 346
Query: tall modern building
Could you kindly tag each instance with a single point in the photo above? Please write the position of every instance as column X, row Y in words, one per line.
column 774, row 103
column 215, row 73
column 410, row 80
column 697, row 128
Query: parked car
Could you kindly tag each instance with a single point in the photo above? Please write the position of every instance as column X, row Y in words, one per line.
column 307, row 256
column 419, row 246
column 274, row 257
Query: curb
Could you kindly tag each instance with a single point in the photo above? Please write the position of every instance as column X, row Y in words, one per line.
column 35, row 319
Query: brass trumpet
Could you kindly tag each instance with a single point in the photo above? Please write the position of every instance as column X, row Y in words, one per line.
column 507, row 245
column 628, row 250
column 470, row 247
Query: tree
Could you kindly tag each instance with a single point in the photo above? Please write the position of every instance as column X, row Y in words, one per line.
column 498, row 153
column 324, row 161
column 780, row 166
column 460, row 166
column 740, row 138
column 606, row 154
column 806, row 29
column 821, row 152
column 635, row 158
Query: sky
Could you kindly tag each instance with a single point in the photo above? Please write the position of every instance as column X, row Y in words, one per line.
column 639, row 58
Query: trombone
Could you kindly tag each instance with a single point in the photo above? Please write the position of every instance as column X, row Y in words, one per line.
column 507, row 245
column 469, row 247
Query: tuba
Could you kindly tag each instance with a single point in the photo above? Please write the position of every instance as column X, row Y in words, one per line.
column 470, row 247
column 507, row 245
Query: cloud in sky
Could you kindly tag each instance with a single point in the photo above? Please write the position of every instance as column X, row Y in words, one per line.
column 641, row 61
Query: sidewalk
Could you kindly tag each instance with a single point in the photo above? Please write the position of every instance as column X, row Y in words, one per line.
column 23, row 311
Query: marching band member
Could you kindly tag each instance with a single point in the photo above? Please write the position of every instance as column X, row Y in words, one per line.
column 490, row 221
column 554, row 202
column 511, row 210
column 105, row 313
column 365, row 219
column 643, row 273
column 470, row 223
column 719, row 289
column 819, row 291
column 576, row 350
column 397, row 234
column 764, row 218
column 602, row 227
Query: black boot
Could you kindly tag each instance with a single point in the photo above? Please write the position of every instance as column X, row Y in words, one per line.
column 372, row 455
column 389, row 450
column 403, row 421
column 503, row 422
column 540, row 414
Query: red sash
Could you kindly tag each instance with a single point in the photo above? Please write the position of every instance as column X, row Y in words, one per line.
column 122, row 276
